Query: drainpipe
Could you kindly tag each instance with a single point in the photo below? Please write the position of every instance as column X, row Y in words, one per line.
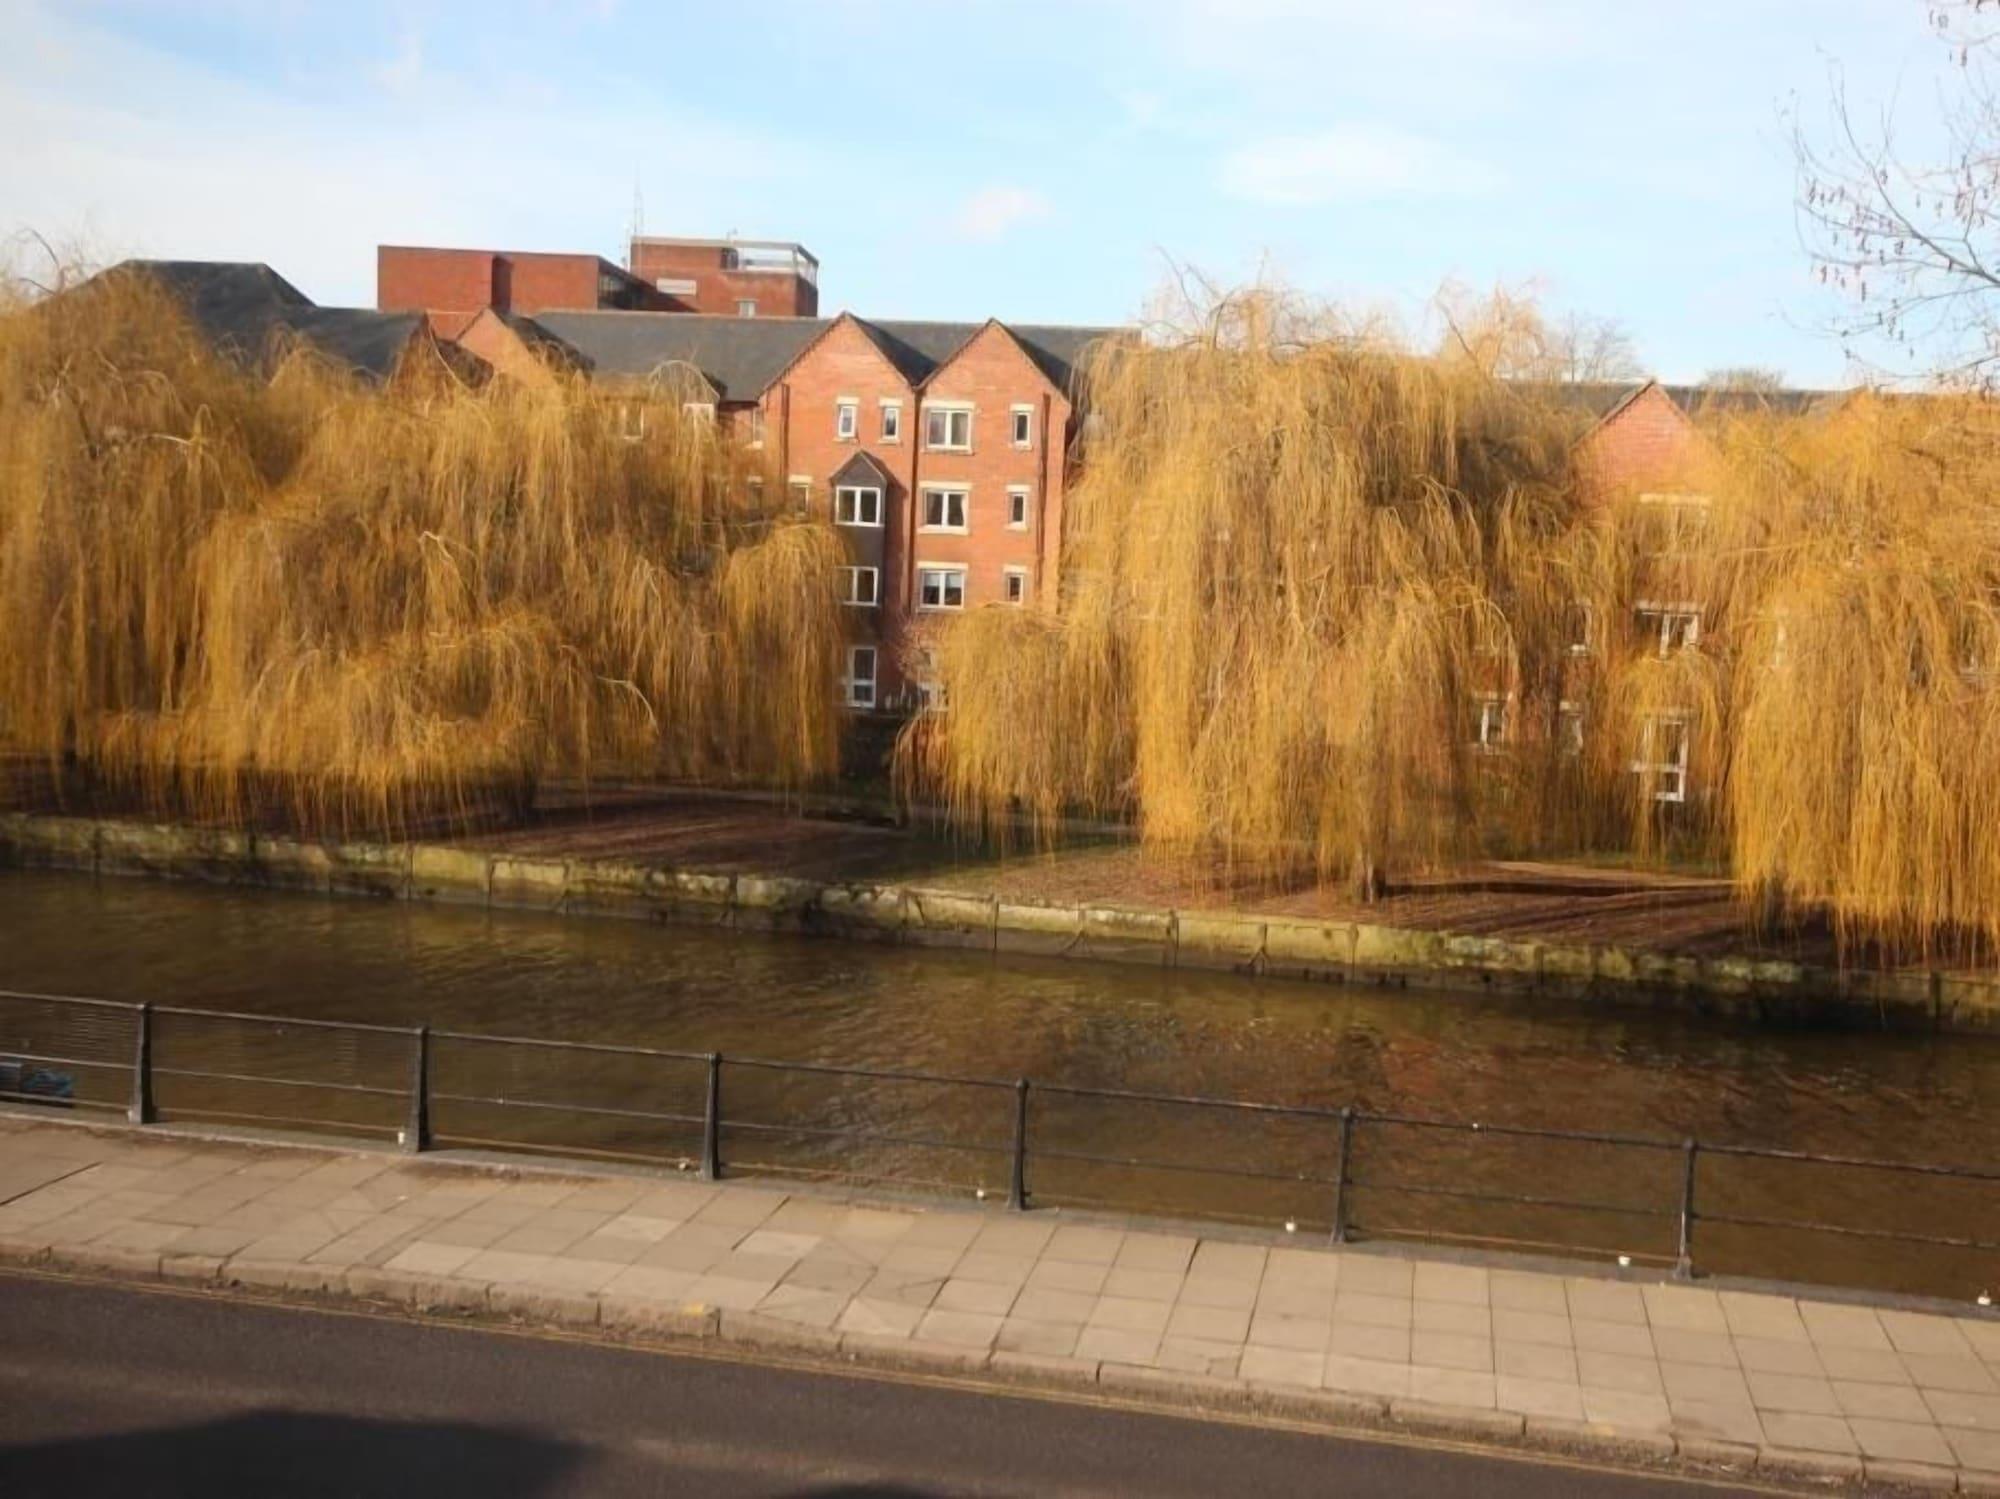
column 906, row 607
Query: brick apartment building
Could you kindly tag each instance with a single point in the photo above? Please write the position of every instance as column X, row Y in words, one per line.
column 940, row 451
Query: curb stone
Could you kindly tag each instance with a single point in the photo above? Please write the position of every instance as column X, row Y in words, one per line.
column 424, row 1292
column 1170, row 1384
column 527, row 1304
column 1042, row 1368
column 1712, row 1453
column 1810, row 1467
column 910, row 1353
column 194, row 1269
column 759, row 1331
column 1912, row 1478
column 1454, row 1420
column 634, row 1314
column 281, row 1275
column 1604, row 1441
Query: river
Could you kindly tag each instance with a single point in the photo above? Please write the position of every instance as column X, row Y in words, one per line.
column 1495, row 1059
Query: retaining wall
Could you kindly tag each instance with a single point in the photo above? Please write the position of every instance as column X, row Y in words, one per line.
column 1281, row 946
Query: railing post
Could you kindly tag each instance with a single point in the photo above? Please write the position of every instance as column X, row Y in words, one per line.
column 711, row 1122
column 1340, row 1175
column 1017, row 1186
column 417, row 1134
column 140, row 1110
column 1684, row 1260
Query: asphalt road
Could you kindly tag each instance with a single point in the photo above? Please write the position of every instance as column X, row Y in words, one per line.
column 151, row 1394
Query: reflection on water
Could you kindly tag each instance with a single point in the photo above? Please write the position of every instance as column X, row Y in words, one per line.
column 1500, row 1060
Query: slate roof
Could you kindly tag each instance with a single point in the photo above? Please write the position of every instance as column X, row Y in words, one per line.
column 248, row 312
column 1603, row 399
column 738, row 355
column 742, row 356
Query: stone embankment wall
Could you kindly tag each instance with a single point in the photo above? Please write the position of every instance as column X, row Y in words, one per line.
column 1287, row 947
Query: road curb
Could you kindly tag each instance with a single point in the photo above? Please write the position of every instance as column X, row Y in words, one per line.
column 624, row 1319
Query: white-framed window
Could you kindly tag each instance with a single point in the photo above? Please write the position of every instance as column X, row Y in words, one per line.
column 948, row 429
column 857, row 505
column 800, row 487
column 892, row 421
column 1021, row 426
column 861, row 587
column 1569, row 727
column 631, row 421
column 1665, row 740
column 857, row 688
column 1490, row 726
column 940, row 588
column 753, row 427
column 1579, row 626
column 1017, row 507
column 846, row 419
column 700, row 411
column 945, row 508
column 1014, row 584
column 746, row 306
column 753, row 489
column 930, row 691
column 1672, row 627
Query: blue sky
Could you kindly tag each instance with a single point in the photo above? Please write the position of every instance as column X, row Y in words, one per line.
column 1040, row 162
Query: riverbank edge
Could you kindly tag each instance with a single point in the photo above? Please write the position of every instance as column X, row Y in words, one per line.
column 699, row 1328
column 1350, row 953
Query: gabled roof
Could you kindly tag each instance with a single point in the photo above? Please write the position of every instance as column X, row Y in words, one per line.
column 740, row 356
column 248, row 312
column 864, row 469
column 1601, row 399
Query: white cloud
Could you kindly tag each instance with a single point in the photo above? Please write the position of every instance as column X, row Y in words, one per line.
column 403, row 74
column 1350, row 162
column 995, row 210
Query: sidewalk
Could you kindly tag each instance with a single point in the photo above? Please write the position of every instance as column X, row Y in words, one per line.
column 1647, row 1371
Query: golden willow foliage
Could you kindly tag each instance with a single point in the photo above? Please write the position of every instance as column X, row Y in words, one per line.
column 1296, row 554
column 374, row 604
column 1299, row 559
column 1866, row 769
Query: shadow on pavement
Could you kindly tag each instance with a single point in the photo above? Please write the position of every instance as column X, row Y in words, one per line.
column 289, row 1453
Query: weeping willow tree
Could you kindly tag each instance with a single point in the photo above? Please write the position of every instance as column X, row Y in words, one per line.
column 374, row 603
column 1864, row 773
column 1301, row 561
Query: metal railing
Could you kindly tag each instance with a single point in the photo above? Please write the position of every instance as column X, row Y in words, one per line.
column 1339, row 1172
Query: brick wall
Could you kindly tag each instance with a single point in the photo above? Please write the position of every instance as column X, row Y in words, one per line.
column 414, row 278
column 800, row 415
column 1648, row 444
column 718, row 290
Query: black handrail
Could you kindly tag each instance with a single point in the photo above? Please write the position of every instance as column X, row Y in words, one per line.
column 1345, row 1125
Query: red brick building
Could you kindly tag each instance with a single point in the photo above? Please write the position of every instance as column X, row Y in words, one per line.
column 941, row 451
column 454, row 285
column 732, row 277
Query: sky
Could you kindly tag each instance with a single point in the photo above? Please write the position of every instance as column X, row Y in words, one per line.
column 1039, row 162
